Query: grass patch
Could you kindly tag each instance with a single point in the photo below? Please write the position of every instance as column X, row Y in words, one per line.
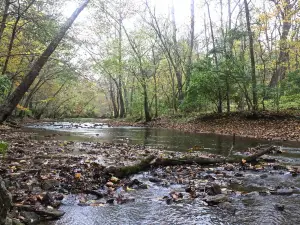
column 3, row 147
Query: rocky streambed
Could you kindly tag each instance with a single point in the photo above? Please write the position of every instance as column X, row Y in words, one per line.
column 74, row 182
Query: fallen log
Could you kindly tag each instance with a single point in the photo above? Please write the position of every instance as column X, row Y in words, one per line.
column 152, row 162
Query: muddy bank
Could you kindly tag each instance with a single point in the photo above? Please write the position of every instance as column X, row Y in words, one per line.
column 269, row 126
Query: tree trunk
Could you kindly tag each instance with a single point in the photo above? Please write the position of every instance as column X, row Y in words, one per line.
column 146, row 104
column 4, row 18
column 155, row 96
column 5, row 202
column 7, row 108
column 177, row 60
column 121, row 99
column 113, row 99
column 191, row 46
column 220, row 100
column 286, row 16
column 251, row 50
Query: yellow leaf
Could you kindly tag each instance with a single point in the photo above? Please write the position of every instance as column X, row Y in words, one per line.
column 77, row 175
column 244, row 161
column 129, row 189
column 114, row 179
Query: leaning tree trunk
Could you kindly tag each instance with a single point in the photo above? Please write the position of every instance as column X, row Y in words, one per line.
column 5, row 202
column 7, row 108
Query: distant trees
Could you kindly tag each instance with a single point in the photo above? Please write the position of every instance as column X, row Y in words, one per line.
column 142, row 63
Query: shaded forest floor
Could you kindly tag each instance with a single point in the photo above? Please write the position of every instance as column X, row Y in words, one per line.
column 265, row 125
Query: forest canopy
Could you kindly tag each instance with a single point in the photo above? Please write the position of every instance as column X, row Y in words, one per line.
column 144, row 59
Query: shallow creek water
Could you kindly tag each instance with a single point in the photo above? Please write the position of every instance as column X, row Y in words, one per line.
column 148, row 209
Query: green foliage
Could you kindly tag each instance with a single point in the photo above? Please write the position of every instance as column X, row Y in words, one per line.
column 5, row 84
column 3, row 147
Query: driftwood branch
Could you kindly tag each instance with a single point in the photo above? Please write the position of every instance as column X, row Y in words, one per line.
column 152, row 162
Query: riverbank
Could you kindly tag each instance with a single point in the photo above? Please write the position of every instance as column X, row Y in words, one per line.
column 43, row 175
column 269, row 126
column 40, row 174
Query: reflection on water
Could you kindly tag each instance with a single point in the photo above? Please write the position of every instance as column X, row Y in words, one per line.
column 147, row 209
column 156, row 137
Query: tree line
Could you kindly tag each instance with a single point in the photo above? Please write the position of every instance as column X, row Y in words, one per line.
column 142, row 63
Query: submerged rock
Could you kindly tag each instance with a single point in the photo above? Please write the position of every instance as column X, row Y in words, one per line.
column 228, row 207
column 214, row 189
column 214, row 200
column 279, row 207
column 155, row 180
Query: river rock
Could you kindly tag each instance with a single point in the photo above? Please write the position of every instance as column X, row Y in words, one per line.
column 216, row 199
column 155, row 180
column 52, row 213
column 30, row 217
column 283, row 191
column 279, row 207
column 214, row 189
column 50, row 184
column 227, row 206
column 263, row 176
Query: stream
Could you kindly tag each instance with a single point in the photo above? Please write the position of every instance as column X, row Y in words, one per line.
column 250, row 208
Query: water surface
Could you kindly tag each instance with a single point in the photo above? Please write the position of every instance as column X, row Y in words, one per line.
column 148, row 209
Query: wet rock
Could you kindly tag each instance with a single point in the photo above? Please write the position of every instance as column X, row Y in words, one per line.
column 216, row 199
column 238, row 175
column 98, row 194
column 30, row 217
column 282, row 191
column 125, row 200
column 263, row 176
column 252, row 194
column 264, row 193
column 50, row 184
column 229, row 167
column 279, row 207
column 279, row 167
column 134, row 182
column 214, row 189
column 155, row 180
column 16, row 222
column 110, row 169
column 228, row 207
column 8, row 221
column 110, row 201
column 209, row 177
column 49, row 212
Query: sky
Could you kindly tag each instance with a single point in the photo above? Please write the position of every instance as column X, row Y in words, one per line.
column 182, row 9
